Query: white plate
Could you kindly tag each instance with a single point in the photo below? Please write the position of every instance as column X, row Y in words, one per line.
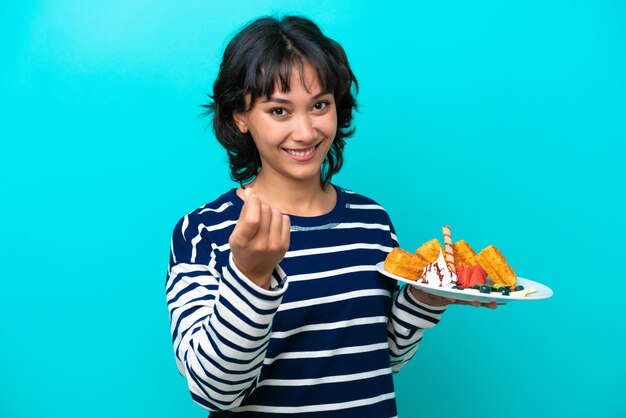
column 543, row 291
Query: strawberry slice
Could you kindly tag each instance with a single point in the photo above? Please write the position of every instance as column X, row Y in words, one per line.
column 463, row 274
column 476, row 276
column 479, row 272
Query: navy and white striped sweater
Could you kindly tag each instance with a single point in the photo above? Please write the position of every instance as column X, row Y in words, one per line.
column 322, row 343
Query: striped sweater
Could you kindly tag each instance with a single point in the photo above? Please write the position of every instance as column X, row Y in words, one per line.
column 323, row 342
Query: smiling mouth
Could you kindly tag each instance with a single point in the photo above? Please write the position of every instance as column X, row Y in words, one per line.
column 301, row 153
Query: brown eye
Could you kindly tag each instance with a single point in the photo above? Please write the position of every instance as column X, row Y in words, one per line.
column 278, row 111
column 320, row 105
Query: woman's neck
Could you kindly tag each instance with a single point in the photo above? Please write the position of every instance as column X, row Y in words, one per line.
column 301, row 198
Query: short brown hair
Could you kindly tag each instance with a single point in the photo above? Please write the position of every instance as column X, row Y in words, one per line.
column 259, row 58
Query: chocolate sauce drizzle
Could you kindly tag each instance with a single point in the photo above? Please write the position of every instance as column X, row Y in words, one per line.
column 439, row 273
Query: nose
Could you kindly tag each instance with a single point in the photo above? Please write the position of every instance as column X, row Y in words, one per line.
column 304, row 129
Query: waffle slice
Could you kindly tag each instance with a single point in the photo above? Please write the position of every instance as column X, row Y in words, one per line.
column 494, row 263
column 464, row 254
column 405, row 264
column 430, row 250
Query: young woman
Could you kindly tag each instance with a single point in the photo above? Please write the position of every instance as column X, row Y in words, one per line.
column 275, row 303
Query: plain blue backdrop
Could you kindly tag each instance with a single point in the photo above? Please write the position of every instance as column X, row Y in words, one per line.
column 505, row 120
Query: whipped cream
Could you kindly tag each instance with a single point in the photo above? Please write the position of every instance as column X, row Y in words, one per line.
column 438, row 274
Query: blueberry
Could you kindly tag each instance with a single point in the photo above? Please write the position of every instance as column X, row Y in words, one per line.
column 518, row 288
column 485, row 289
column 505, row 291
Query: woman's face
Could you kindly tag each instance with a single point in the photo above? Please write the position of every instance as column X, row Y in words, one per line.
column 294, row 130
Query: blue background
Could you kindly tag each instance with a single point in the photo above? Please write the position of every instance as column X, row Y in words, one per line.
column 505, row 120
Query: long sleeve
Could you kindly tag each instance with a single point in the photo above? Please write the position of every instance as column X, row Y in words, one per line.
column 220, row 321
column 323, row 347
column 407, row 322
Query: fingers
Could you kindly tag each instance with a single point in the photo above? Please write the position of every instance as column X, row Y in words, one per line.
column 286, row 230
column 263, row 231
column 259, row 240
column 273, row 227
column 249, row 219
column 476, row 304
column 275, row 231
column 260, row 226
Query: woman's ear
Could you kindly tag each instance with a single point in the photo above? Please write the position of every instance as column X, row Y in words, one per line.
column 240, row 121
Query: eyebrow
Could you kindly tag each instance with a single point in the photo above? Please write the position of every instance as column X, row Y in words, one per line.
column 285, row 101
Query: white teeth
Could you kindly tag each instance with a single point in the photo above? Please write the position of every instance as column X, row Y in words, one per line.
column 301, row 153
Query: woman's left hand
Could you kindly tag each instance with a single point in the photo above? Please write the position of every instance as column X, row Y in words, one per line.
column 434, row 300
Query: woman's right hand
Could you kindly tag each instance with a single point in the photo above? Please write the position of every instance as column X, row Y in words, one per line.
column 260, row 239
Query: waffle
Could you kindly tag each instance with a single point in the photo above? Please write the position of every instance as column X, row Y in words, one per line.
column 494, row 263
column 429, row 251
column 464, row 254
column 405, row 264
